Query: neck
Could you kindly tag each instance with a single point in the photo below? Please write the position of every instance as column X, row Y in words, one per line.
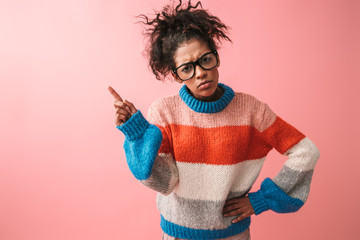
column 213, row 104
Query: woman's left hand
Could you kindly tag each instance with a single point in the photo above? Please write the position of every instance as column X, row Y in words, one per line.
column 238, row 206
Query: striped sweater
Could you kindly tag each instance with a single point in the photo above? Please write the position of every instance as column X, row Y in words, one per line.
column 198, row 154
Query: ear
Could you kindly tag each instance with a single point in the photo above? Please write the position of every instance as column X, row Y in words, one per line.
column 218, row 56
column 176, row 78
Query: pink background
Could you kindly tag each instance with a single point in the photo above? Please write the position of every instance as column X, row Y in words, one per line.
column 63, row 173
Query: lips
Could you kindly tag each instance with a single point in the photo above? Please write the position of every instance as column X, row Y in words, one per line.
column 202, row 83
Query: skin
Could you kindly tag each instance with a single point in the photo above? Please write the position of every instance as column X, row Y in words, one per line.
column 123, row 109
column 188, row 52
column 191, row 51
column 238, row 206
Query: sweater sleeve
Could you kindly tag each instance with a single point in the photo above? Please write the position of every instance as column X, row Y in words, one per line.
column 147, row 153
column 288, row 191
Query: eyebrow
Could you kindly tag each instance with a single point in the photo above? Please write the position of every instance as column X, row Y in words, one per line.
column 193, row 61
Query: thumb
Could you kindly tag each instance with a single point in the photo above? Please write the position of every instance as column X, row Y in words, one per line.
column 131, row 106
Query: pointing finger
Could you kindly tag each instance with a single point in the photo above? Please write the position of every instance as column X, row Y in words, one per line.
column 114, row 94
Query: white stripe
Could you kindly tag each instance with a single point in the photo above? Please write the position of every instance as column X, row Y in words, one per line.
column 302, row 156
column 214, row 182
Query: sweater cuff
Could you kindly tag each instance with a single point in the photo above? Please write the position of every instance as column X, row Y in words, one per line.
column 271, row 196
column 257, row 200
column 135, row 126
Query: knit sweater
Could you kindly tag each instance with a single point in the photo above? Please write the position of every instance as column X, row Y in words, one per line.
column 198, row 154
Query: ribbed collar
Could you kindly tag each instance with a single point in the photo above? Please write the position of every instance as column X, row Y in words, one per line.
column 207, row 107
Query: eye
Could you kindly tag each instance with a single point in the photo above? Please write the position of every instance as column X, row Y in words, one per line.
column 206, row 59
column 186, row 68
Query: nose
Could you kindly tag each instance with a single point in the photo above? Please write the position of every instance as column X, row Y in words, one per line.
column 199, row 72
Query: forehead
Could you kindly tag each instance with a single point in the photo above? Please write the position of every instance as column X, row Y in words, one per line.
column 190, row 51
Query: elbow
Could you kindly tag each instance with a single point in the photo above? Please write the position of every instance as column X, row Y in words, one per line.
column 313, row 155
column 314, row 152
column 304, row 155
column 160, row 185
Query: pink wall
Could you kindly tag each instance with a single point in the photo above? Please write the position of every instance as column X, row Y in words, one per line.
column 63, row 174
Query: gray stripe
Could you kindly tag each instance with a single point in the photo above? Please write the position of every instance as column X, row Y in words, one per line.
column 237, row 194
column 199, row 214
column 164, row 175
column 294, row 183
column 245, row 235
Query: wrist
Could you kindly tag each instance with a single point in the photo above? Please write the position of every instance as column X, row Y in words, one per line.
column 135, row 126
column 258, row 202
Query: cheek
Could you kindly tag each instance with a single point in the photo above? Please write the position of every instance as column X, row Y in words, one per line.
column 215, row 74
column 193, row 86
column 190, row 85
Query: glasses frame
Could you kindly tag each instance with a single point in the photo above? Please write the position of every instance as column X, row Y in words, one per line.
column 197, row 62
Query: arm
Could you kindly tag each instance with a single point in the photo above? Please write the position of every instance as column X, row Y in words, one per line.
column 148, row 154
column 288, row 191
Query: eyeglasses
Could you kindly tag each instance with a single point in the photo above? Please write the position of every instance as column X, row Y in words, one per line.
column 207, row 61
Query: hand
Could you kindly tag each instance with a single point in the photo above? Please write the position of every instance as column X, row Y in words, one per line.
column 238, row 206
column 124, row 109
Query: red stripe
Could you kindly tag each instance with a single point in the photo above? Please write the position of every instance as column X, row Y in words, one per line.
column 282, row 136
column 221, row 146
column 166, row 141
column 227, row 144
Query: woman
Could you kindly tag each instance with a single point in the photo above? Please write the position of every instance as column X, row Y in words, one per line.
column 202, row 149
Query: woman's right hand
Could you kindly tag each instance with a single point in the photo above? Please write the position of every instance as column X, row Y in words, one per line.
column 123, row 109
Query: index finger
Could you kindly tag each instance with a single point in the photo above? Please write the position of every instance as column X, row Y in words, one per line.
column 114, row 94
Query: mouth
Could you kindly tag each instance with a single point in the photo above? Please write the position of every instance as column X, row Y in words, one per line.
column 202, row 83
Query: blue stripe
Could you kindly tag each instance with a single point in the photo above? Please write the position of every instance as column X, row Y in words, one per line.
column 175, row 230
column 207, row 107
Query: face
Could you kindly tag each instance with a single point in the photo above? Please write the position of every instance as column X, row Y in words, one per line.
column 203, row 85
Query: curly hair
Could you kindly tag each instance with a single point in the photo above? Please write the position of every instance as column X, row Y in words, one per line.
column 173, row 26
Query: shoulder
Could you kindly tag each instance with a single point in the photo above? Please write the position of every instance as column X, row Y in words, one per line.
column 161, row 110
column 248, row 100
column 165, row 102
column 260, row 113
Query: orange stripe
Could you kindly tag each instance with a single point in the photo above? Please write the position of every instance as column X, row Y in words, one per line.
column 221, row 146
column 282, row 136
column 166, row 141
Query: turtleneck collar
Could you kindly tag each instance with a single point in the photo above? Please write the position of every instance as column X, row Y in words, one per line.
column 207, row 107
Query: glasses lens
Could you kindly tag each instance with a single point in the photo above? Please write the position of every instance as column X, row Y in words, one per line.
column 208, row 61
column 186, row 71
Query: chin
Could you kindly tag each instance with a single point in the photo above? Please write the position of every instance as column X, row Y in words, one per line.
column 206, row 94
